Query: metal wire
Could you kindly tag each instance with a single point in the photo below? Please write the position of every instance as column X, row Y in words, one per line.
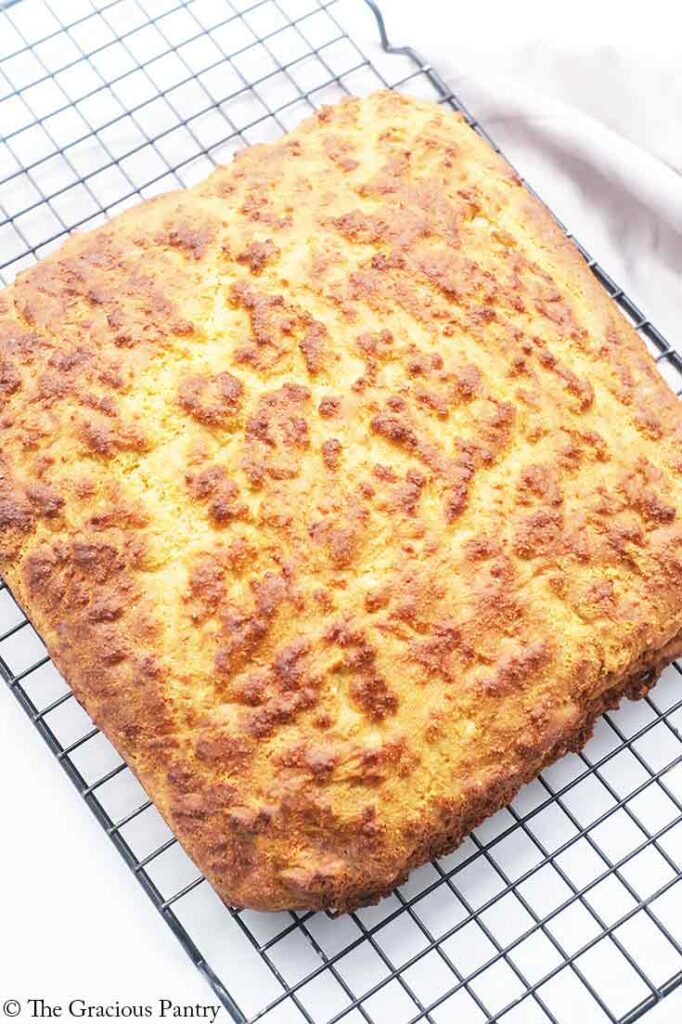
column 566, row 904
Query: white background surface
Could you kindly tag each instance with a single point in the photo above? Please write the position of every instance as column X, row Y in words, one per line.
column 73, row 921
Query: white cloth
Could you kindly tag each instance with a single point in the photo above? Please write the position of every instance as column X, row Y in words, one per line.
column 586, row 101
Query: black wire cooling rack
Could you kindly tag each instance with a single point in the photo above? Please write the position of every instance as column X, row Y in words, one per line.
column 566, row 905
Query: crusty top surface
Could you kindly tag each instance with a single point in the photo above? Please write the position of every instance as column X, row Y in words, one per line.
column 337, row 488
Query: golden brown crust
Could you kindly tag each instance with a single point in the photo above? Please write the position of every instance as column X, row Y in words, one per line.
column 341, row 493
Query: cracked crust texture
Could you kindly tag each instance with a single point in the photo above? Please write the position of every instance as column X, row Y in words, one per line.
column 341, row 493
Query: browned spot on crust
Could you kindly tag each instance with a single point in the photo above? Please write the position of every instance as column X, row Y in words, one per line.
column 367, row 687
column 455, row 472
column 223, row 749
column 213, row 486
column 313, row 347
column 258, row 254
column 442, row 652
column 331, row 452
column 340, row 151
column 538, row 534
column 268, row 314
column 212, row 401
column 396, row 429
column 407, row 495
column 45, row 499
column 276, row 328
column 517, row 669
column 577, row 386
column 193, row 239
column 16, row 514
column 102, row 437
column 207, row 584
column 360, row 227
column 276, row 434
column 341, row 541
column 539, row 483
column 329, row 407
column 10, row 381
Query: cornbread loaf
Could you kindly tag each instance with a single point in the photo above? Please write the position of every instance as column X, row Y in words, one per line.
column 341, row 493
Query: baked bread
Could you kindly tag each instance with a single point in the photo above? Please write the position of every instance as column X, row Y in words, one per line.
column 342, row 495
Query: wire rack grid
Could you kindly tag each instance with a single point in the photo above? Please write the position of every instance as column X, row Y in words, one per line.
column 565, row 905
